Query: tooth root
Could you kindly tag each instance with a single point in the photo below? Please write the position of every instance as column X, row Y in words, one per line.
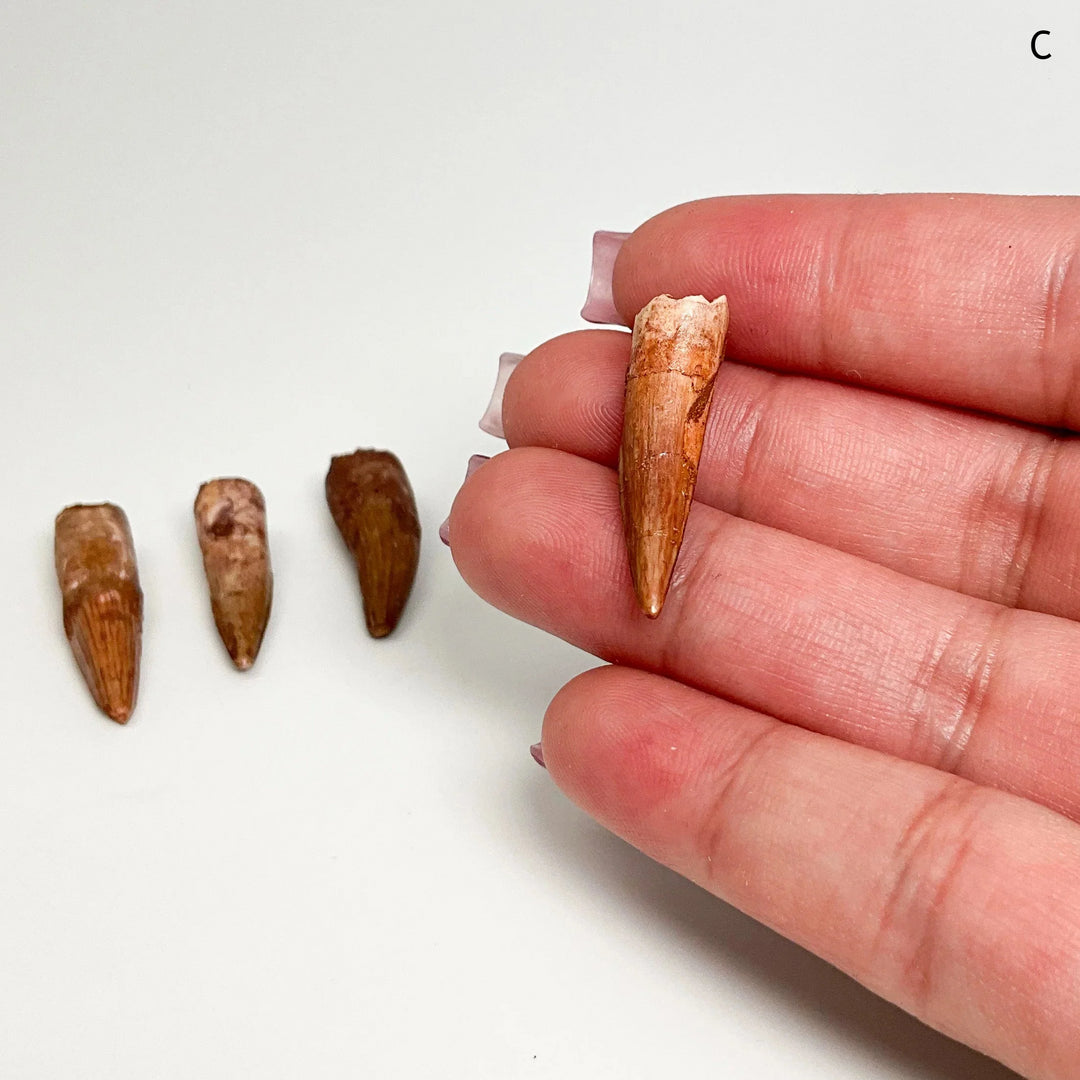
column 230, row 521
column 99, row 583
column 676, row 350
column 373, row 507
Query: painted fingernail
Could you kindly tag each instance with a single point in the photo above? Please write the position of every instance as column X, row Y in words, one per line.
column 537, row 751
column 491, row 421
column 599, row 304
column 474, row 463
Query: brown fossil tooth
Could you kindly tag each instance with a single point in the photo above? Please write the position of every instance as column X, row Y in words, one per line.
column 230, row 520
column 99, row 582
column 675, row 353
column 373, row 507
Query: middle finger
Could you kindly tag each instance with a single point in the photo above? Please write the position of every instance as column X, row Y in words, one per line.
column 792, row 628
column 984, row 506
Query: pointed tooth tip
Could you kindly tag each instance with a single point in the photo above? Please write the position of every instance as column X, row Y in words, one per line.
column 121, row 714
column 651, row 581
column 651, row 606
column 243, row 662
column 650, row 588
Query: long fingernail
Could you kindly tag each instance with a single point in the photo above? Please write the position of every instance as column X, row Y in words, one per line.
column 491, row 421
column 537, row 751
column 474, row 463
column 599, row 304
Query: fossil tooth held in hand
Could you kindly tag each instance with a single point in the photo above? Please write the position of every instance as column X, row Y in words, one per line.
column 230, row 519
column 674, row 356
column 374, row 509
column 99, row 582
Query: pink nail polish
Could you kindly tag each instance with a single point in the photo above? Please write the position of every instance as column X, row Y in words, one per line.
column 537, row 751
column 599, row 304
column 474, row 463
column 491, row 421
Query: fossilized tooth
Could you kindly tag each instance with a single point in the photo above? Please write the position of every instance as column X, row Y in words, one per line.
column 675, row 353
column 99, row 582
column 230, row 519
column 375, row 512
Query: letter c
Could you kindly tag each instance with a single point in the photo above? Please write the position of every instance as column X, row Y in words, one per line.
column 1034, row 45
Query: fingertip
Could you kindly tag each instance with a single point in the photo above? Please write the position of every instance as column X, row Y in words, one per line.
column 619, row 749
column 485, row 518
column 567, row 393
column 464, row 511
column 535, row 532
column 707, row 246
column 658, row 251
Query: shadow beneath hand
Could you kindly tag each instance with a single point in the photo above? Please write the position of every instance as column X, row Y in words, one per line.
column 509, row 671
column 736, row 944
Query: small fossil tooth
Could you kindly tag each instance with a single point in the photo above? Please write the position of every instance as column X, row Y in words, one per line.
column 373, row 507
column 676, row 350
column 230, row 520
column 99, row 583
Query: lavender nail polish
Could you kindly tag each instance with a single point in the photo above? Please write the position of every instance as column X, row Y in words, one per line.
column 537, row 751
column 599, row 304
column 474, row 463
column 491, row 421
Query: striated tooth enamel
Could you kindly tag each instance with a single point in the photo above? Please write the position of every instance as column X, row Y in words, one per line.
column 676, row 350
column 374, row 509
column 99, row 583
column 230, row 520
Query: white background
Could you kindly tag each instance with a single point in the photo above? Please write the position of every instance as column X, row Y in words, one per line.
column 237, row 237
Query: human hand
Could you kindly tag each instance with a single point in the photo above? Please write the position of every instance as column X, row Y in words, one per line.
column 858, row 717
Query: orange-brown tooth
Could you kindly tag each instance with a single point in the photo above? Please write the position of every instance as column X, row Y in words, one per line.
column 99, row 583
column 676, row 350
column 373, row 507
column 230, row 520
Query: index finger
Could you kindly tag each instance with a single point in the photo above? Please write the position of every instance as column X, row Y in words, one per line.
column 973, row 300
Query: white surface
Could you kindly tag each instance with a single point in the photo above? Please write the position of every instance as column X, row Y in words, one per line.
column 239, row 237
